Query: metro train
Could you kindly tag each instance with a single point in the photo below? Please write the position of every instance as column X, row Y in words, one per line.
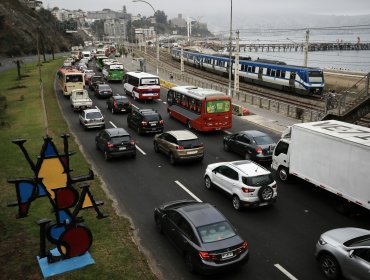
column 268, row 73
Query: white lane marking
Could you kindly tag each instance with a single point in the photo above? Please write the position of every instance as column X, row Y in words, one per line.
column 140, row 150
column 159, row 100
column 286, row 272
column 113, row 124
column 164, row 102
column 96, row 107
column 228, row 132
column 133, row 105
column 189, row 192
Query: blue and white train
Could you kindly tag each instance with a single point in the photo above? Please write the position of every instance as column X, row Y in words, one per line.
column 273, row 74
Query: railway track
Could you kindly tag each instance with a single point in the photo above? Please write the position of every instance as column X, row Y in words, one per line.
column 314, row 103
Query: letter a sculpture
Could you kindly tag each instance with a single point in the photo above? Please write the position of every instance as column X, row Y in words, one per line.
column 52, row 179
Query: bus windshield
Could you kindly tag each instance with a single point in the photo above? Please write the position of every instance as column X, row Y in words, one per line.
column 74, row 78
column 149, row 81
column 218, row 106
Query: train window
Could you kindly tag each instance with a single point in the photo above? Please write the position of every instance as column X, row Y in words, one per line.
column 282, row 75
column 273, row 72
column 268, row 73
column 278, row 73
column 249, row 69
column 253, row 69
column 292, row 75
column 315, row 74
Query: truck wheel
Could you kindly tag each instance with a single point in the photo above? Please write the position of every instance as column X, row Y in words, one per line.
column 283, row 174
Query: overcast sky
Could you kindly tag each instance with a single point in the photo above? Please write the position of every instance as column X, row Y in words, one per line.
column 197, row 8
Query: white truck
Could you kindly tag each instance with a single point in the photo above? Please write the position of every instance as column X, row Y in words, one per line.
column 332, row 155
column 80, row 99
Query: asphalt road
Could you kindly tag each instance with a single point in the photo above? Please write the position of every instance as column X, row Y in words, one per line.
column 281, row 238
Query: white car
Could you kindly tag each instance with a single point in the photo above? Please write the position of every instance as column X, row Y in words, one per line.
column 248, row 183
column 92, row 118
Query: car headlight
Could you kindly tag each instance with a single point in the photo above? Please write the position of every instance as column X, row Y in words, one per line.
column 322, row 241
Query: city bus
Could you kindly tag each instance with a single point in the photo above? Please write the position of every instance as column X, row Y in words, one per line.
column 200, row 108
column 113, row 71
column 99, row 62
column 142, row 86
column 70, row 79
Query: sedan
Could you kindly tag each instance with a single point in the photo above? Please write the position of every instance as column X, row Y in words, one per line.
column 204, row 237
column 118, row 104
column 103, row 91
column 250, row 144
column 344, row 252
column 247, row 183
column 88, row 74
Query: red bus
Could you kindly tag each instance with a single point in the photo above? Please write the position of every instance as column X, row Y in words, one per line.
column 141, row 85
column 200, row 108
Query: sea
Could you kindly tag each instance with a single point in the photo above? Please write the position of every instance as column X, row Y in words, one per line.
column 356, row 61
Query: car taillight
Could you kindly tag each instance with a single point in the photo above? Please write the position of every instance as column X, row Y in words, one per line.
column 207, row 256
column 259, row 150
column 132, row 142
column 244, row 245
column 144, row 123
column 109, row 145
column 179, row 147
column 247, row 190
column 161, row 122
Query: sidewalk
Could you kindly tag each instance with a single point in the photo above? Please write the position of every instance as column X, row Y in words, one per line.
column 265, row 118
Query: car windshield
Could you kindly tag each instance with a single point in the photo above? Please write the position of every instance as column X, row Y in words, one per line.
column 358, row 241
column 93, row 115
column 120, row 139
column 192, row 143
column 152, row 118
column 257, row 181
column 216, row 232
column 104, row 87
column 263, row 140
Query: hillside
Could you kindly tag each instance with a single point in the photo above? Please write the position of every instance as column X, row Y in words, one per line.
column 19, row 26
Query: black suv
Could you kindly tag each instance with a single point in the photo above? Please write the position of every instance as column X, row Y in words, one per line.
column 115, row 142
column 94, row 81
column 145, row 121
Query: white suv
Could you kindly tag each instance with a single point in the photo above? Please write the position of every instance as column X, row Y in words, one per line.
column 248, row 183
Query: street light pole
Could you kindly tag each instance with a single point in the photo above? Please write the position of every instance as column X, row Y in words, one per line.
column 155, row 30
column 230, row 45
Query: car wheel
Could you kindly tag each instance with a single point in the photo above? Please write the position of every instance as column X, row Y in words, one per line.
column 236, row 202
column 329, row 266
column 247, row 156
column 265, row 193
column 106, row 156
column 172, row 159
column 189, row 124
column 189, row 262
column 208, row 183
column 156, row 149
column 226, row 147
column 283, row 174
column 158, row 224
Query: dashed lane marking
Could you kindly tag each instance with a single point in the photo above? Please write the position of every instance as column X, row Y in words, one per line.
column 189, row 192
column 113, row 124
column 286, row 272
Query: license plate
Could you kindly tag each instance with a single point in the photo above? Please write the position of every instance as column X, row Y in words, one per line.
column 227, row 255
column 122, row 110
column 191, row 152
column 122, row 148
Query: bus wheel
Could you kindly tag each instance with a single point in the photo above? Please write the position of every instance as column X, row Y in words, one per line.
column 189, row 124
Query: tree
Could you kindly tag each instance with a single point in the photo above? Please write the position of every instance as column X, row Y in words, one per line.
column 160, row 17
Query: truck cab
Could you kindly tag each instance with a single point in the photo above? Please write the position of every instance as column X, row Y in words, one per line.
column 280, row 159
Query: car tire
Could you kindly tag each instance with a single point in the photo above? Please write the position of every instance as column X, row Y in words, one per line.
column 106, row 156
column 329, row 266
column 236, row 202
column 158, row 224
column 226, row 147
column 283, row 174
column 208, row 183
column 265, row 194
column 172, row 159
column 189, row 262
column 156, row 149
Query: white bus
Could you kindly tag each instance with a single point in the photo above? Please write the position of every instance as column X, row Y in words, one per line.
column 142, row 86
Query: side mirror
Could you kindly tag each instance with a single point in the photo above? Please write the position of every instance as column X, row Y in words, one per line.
column 350, row 253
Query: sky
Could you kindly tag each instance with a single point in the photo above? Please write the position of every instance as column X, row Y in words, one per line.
column 205, row 8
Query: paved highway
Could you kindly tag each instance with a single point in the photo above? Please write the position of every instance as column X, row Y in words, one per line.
column 281, row 238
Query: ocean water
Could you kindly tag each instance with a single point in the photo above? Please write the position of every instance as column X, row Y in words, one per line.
column 341, row 60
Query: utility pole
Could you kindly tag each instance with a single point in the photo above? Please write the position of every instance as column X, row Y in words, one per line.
column 236, row 64
column 230, row 45
column 306, row 48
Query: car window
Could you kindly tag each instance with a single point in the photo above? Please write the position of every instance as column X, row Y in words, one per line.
column 363, row 254
column 151, row 118
column 104, row 87
column 281, row 148
column 263, row 140
column 93, row 115
column 187, row 229
column 171, row 139
column 216, row 232
column 228, row 172
column 174, row 217
column 120, row 139
column 192, row 143
column 257, row 181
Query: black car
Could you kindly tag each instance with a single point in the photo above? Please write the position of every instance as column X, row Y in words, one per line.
column 118, row 103
column 95, row 80
column 115, row 142
column 103, row 91
column 145, row 121
column 204, row 237
column 250, row 144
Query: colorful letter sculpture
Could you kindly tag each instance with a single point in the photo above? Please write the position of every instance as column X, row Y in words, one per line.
column 52, row 179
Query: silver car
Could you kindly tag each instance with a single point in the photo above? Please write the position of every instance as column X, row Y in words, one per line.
column 344, row 252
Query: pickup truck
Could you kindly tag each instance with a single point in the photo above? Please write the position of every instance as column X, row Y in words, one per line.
column 80, row 99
